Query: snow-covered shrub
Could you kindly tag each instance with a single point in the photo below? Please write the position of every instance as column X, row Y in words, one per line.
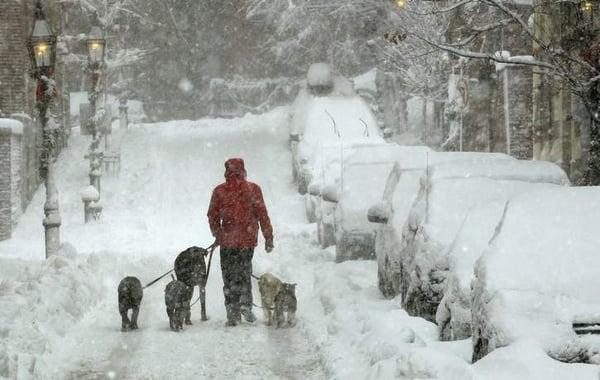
column 540, row 274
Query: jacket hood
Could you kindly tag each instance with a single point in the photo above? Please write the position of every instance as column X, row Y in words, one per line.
column 234, row 168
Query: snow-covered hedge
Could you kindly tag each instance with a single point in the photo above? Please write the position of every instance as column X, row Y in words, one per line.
column 541, row 274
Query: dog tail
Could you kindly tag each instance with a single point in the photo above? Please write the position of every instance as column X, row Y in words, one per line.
column 255, row 277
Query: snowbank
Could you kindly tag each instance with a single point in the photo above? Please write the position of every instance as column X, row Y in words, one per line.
column 39, row 303
column 540, row 274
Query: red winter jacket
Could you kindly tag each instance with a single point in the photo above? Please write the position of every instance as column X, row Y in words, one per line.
column 236, row 208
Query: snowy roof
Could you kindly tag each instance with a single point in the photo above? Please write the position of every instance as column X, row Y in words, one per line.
column 477, row 230
column 451, row 199
column 408, row 157
column 474, row 157
column 13, row 126
column 517, row 170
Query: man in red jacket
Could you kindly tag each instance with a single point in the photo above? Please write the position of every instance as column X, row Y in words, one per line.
column 235, row 212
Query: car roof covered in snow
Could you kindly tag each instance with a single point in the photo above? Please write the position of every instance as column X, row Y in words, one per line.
column 408, row 157
column 552, row 234
column 517, row 170
column 449, row 201
column 476, row 232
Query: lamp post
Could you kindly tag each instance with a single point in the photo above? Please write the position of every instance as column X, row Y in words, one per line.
column 95, row 47
column 42, row 51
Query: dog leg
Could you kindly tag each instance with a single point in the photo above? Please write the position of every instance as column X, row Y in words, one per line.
column 134, row 317
column 124, row 318
column 291, row 319
column 266, row 315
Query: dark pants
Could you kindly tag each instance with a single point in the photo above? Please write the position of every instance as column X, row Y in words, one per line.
column 236, row 266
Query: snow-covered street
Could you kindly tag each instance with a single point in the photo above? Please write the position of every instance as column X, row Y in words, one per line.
column 154, row 210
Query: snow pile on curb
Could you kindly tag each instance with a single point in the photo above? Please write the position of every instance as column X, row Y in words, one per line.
column 39, row 304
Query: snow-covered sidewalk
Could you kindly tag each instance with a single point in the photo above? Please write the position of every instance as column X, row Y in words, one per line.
column 59, row 317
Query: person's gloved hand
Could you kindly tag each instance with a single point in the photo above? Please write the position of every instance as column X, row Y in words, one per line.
column 269, row 246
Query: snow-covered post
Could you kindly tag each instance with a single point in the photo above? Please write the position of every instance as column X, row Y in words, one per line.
column 96, row 44
column 91, row 207
column 42, row 50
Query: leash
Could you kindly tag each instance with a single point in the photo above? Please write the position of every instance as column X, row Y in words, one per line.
column 264, row 308
column 211, row 248
column 255, row 277
column 210, row 256
column 158, row 279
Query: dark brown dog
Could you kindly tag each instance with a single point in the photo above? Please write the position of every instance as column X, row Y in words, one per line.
column 130, row 297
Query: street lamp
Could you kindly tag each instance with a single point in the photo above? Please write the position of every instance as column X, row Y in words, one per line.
column 42, row 51
column 96, row 44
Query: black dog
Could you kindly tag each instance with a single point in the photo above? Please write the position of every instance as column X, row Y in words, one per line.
column 177, row 301
column 190, row 268
column 130, row 297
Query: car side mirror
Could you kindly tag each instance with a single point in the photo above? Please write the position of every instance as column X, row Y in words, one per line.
column 295, row 137
column 379, row 213
column 314, row 189
column 330, row 193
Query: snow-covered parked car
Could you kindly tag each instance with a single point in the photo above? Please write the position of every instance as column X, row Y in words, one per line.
column 327, row 172
column 453, row 314
column 364, row 176
column 320, row 81
column 539, row 279
column 331, row 122
column 391, row 211
column 445, row 197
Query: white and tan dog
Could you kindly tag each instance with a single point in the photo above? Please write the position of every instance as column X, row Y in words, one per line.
column 269, row 286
